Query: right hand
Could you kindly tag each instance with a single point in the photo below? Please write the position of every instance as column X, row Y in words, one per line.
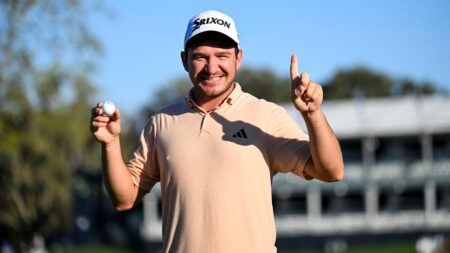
column 306, row 95
column 105, row 129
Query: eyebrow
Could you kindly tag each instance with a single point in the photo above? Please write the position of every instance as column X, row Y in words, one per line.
column 220, row 53
column 224, row 53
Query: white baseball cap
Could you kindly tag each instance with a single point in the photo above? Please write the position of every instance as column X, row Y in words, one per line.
column 211, row 21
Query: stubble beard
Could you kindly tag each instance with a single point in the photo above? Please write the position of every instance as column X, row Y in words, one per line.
column 203, row 94
column 215, row 93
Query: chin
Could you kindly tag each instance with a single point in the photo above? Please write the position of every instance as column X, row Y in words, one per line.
column 209, row 92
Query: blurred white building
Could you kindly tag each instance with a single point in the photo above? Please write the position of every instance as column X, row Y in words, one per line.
column 397, row 173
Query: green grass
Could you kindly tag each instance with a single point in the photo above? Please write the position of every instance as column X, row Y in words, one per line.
column 407, row 247
column 91, row 249
column 389, row 248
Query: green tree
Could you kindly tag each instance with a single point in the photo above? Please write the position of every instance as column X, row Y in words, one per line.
column 358, row 82
column 409, row 87
column 263, row 83
column 363, row 82
column 168, row 93
column 47, row 55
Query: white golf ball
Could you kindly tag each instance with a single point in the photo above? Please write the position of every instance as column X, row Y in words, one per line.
column 108, row 108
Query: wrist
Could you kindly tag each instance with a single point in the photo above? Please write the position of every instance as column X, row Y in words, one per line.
column 312, row 115
column 113, row 143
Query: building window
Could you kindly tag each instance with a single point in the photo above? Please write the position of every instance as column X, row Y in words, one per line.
column 441, row 147
column 351, row 150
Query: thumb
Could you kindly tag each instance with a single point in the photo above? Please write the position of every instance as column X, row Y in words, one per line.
column 304, row 81
column 116, row 115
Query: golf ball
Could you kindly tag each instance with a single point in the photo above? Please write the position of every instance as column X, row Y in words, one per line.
column 108, row 108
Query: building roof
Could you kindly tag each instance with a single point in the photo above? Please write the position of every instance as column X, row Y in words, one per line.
column 390, row 116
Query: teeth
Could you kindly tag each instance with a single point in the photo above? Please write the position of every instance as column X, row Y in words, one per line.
column 212, row 78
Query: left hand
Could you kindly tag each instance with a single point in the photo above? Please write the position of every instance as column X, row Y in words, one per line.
column 306, row 95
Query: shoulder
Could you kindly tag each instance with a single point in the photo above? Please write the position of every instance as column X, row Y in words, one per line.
column 265, row 114
column 258, row 105
column 177, row 106
column 164, row 114
column 171, row 110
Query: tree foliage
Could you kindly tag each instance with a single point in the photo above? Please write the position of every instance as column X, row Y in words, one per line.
column 263, row 83
column 47, row 55
column 361, row 82
column 168, row 93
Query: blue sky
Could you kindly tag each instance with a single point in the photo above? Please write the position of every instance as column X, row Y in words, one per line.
column 404, row 39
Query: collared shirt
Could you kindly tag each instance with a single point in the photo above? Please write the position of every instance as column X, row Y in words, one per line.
column 216, row 169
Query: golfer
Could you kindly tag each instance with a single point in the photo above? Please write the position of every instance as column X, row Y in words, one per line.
column 216, row 152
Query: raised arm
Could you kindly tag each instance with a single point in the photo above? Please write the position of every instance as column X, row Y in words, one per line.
column 117, row 178
column 326, row 161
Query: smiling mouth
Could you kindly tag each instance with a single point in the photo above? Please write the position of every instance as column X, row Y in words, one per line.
column 212, row 78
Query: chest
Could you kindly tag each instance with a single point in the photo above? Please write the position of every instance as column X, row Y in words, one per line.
column 210, row 150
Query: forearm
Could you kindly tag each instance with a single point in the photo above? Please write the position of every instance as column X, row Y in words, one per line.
column 325, row 151
column 117, row 177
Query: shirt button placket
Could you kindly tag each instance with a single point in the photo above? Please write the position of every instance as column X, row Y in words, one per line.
column 204, row 124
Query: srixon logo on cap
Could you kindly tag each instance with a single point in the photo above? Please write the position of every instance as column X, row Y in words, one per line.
column 211, row 20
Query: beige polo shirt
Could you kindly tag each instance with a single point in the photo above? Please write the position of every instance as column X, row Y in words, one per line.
column 216, row 170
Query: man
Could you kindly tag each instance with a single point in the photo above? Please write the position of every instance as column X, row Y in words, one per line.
column 215, row 153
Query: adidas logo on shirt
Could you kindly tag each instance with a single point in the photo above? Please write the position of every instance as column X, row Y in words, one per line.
column 240, row 134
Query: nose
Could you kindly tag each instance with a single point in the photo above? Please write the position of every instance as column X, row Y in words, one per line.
column 212, row 65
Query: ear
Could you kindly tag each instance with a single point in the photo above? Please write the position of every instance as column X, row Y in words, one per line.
column 184, row 60
column 239, row 57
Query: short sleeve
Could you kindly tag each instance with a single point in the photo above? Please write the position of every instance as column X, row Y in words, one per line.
column 287, row 144
column 143, row 165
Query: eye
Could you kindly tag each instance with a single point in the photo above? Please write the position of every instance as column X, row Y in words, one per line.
column 198, row 57
column 223, row 56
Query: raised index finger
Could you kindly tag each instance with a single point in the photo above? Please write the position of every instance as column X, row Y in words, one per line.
column 294, row 67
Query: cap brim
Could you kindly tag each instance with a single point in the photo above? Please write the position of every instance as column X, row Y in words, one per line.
column 211, row 37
